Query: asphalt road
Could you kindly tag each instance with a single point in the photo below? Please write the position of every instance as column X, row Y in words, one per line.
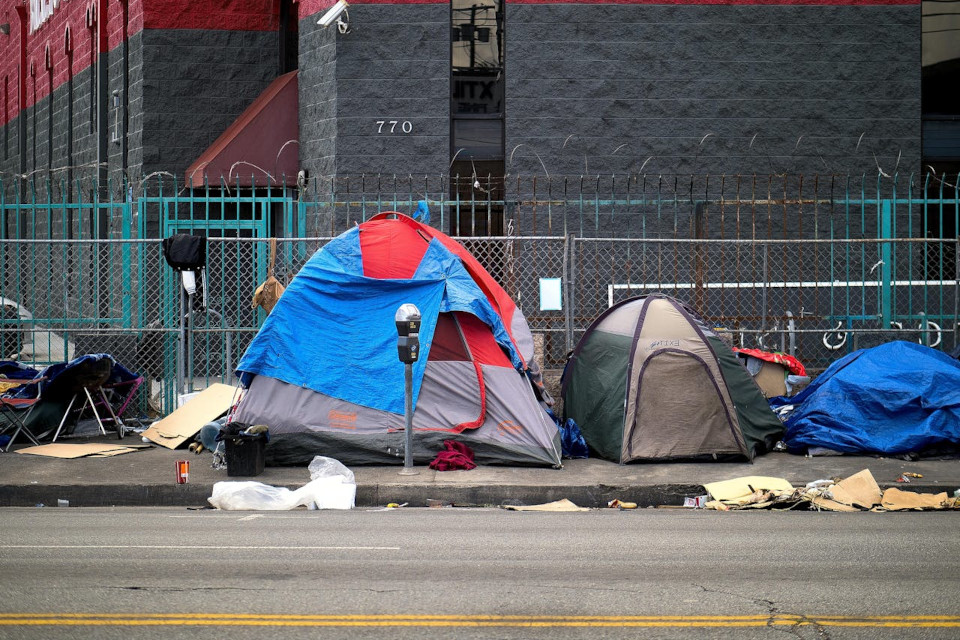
column 477, row 573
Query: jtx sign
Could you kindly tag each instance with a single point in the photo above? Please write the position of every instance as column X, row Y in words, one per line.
column 40, row 12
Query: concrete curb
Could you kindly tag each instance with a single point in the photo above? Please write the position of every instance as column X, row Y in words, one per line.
column 195, row 495
column 375, row 495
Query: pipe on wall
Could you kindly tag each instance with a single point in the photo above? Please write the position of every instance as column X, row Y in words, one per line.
column 22, row 94
column 125, row 87
column 103, row 102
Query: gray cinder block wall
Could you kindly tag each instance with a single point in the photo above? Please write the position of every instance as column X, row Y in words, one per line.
column 316, row 80
column 195, row 84
column 619, row 89
column 375, row 100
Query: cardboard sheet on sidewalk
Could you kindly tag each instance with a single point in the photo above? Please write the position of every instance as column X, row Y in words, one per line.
column 185, row 422
column 558, row 505
column 896, row 500
column 730, row 490
column 859, row 490
column 79, row 450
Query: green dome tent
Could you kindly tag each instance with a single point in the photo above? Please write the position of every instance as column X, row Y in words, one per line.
column 648, row 381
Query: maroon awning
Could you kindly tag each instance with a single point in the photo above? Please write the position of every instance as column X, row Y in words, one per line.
column 262, row 142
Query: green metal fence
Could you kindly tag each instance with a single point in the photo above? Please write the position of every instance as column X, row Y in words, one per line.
column 635, row 206
column 817, row 266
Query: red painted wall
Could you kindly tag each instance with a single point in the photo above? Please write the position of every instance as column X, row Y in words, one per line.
column 229, row 15
column 233, row 15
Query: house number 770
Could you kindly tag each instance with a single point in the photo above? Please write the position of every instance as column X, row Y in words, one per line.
column 390, row 126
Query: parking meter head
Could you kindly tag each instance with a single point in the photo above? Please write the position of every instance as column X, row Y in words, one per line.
column 407, row 320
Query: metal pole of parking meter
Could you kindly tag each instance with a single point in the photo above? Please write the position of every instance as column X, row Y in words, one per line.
column 182, row 342
column 407, row 320
column 189, row 281
column 189, row 355
column 408, row 421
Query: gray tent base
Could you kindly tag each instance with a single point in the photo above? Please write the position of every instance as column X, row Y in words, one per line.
column 297, row 449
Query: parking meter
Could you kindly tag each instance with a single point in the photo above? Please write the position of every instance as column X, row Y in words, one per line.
column 407, row 320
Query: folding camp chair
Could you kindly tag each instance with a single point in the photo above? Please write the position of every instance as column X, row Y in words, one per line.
column 83, row 379
column 16, row 400
column 119, row 389
column 109, row 405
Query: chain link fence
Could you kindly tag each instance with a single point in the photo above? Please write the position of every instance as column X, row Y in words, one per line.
column 815, row 299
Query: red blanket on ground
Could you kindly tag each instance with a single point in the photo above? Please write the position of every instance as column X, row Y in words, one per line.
column 456, row 456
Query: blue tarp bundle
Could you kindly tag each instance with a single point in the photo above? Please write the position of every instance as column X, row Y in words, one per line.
column 118, row 372
column 572, row 442
column 15, row 371
column 896, row 398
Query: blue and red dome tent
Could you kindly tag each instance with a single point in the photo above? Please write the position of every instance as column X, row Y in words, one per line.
column 323, row 374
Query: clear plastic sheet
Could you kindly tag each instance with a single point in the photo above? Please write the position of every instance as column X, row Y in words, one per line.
column 331, row 486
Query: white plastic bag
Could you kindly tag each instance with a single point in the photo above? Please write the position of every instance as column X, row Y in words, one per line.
column 331, row 493
column 252, row 496
column 331, row 486
column 322, row 467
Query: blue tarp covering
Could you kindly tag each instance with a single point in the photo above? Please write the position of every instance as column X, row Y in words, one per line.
column 333, row 329
column 896, row 398
column 16, row 371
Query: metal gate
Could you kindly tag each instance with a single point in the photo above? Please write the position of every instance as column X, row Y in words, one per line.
column 205, row 333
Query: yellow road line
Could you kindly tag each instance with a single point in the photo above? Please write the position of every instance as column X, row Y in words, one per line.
column 394, row 620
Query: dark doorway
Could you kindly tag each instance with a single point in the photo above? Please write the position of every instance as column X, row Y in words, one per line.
column 940, row 77
column 289, row 37
column 477, row 116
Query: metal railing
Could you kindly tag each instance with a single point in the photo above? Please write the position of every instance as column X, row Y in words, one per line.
column 632, row 206
column 817, row 270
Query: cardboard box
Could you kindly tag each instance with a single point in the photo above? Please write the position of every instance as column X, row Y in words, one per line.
column 772, row 379
column 184, row 423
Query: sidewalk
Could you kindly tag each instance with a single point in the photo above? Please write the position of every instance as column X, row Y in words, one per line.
column 148, row 478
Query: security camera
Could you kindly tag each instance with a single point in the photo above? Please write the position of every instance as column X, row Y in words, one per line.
column 333, row 13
